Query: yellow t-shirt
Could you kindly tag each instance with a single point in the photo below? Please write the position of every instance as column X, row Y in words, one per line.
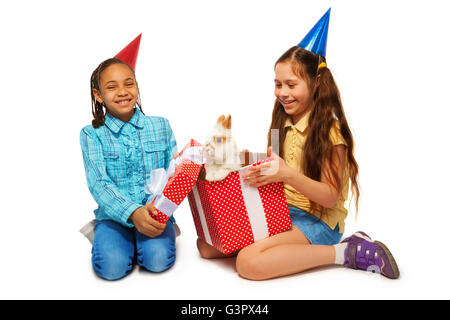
column 293, row 149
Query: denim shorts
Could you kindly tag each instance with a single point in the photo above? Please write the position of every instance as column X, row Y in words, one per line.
column 314, row 229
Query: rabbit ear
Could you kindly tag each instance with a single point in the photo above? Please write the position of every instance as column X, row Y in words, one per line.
column 220, row 119
column 227, row 122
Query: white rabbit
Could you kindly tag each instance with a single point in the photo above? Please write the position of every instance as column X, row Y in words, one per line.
column 221, row 151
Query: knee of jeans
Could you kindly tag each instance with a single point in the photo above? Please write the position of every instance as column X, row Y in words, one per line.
column 112, row 265
column 156, row 258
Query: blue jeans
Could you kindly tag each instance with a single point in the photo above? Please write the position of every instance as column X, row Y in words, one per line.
column 115, row 247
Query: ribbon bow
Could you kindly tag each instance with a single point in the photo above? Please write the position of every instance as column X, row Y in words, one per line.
column 160, row 176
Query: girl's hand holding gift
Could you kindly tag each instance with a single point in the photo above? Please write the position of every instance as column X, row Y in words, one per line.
column 144, row 223
column 115, row 157
column 274, row 171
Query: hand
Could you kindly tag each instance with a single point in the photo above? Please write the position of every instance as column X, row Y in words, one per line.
column 274, row 171
column 144, row 223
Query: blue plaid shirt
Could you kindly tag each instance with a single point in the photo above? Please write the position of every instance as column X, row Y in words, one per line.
column 118, row 158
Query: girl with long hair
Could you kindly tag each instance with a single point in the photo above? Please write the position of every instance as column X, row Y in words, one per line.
column 317, row 165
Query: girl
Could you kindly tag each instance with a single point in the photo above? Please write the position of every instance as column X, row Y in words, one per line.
column 120, row 149
column 316, row 164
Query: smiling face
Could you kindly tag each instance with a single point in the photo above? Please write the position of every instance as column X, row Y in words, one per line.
column 118, row 91
column 291, row 91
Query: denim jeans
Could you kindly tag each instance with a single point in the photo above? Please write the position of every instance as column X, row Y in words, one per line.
column 314, row 229
column 117, row 248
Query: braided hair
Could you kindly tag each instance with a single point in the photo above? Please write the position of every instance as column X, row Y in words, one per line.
column 97, row 108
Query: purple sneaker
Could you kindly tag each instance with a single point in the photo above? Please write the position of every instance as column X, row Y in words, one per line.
column 358, row 234
column 373, row 256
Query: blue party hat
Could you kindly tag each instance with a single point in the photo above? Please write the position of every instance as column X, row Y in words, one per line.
column 316, row 39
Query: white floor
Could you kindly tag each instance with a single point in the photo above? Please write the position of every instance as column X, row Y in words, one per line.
column 56, row 265
column 396, row 104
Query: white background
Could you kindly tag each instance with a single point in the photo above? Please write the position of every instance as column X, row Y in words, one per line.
column 199, row 59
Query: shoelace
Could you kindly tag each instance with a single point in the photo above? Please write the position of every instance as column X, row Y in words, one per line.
column 366, row 254
column 361, row 255
column 369, row 255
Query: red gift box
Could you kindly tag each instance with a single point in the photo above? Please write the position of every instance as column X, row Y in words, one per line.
column 180, row 184
column 230, row 215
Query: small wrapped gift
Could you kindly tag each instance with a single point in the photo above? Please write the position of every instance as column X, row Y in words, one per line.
column 168, row 189
column 230, row 215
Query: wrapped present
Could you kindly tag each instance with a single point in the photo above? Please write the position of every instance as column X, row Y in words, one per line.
column 168, row 189
column 230, row 215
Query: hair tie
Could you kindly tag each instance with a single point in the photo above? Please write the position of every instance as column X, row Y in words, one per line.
column 322, row 65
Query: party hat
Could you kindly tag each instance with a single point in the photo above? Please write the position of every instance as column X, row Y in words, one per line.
column 316, row 39
column 130, row 52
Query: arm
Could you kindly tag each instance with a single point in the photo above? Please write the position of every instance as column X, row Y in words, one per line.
column 172, row 143
column 321, row 192
column 117, row 206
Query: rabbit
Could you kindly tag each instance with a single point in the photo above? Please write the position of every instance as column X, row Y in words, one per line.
column 221, row 151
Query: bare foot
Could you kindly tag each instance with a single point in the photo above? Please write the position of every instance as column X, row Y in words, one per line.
column 209, row 252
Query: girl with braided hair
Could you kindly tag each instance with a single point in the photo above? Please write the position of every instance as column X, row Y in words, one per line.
column 120, row 149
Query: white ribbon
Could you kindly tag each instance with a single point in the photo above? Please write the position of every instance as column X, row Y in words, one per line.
column 255, row 209
column 201, row 215
column 192, row 153
column 253, row 204
column 159, row 178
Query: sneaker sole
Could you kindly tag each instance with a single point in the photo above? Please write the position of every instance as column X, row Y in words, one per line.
column 391, row 261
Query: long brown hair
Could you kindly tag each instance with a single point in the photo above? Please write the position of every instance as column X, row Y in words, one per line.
column 97, row 107
column 326, row 107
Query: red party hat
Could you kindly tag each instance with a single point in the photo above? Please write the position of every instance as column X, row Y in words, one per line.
column 130, row 52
